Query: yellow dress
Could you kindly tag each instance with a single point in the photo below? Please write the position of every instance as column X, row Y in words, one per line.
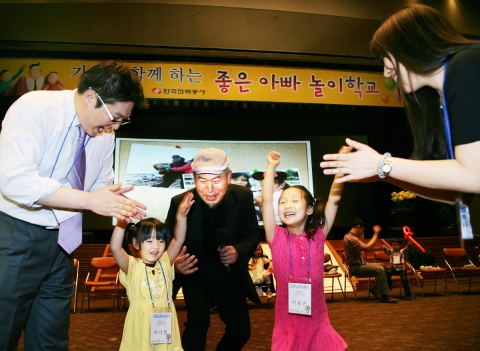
column 136, row 331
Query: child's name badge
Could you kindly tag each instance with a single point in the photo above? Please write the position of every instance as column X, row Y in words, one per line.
column 161, row 328
column 396, row 259
column 300, row 296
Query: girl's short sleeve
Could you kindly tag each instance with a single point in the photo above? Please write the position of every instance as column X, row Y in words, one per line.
column 461, row 92
column 167, row 266
column 125, row 279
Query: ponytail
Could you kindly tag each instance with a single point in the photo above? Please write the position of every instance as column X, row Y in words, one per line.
column 127, row 237
column 317, row 218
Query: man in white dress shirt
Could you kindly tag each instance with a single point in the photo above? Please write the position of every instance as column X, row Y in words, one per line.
column 37, row 150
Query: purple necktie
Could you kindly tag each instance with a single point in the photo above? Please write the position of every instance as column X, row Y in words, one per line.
column 70, row 232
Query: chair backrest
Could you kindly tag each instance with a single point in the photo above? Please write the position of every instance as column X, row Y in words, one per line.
column 456, row 256
column 346, row 269
column 106, row 266
column 326, row 258
column 103, row 262
column 454, row 252
column 381, row 257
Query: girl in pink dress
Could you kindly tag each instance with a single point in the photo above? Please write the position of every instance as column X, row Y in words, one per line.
column 301, row 315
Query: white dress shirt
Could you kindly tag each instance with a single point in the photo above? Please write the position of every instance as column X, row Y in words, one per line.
column 31, row 140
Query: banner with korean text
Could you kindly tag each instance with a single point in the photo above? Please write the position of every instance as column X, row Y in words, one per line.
column 192, row 81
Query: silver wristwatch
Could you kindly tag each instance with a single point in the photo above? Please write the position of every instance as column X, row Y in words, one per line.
column 385, row 165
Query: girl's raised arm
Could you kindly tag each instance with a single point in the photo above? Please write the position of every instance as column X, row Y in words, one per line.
column 334, row 197
column 268, row 212
column 119, row 254
column 180, row 230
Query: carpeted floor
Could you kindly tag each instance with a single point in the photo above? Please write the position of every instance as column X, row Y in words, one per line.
column 436, row 322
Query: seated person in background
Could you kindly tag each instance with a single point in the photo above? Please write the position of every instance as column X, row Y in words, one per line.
column 256, row 268
column 419, row 259
column 241, row 178
column 353, row 245
column 397, row 265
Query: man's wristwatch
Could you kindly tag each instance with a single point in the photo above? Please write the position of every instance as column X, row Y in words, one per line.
column 385, row 165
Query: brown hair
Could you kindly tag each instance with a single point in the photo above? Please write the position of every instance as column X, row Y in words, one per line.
column 422, row 39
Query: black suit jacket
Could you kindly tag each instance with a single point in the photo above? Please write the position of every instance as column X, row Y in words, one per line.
column 240, row 222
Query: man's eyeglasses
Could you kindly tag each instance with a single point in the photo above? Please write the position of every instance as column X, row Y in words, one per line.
column 114, row 120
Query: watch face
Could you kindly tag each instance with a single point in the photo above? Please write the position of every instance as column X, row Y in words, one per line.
column 386, row 168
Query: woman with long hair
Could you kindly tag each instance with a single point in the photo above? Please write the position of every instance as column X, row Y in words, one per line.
column 437, row 71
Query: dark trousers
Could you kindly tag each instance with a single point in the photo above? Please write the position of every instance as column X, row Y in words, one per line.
column 377, row 270
column 403, row 276
column 36, row 287
column 231, row 303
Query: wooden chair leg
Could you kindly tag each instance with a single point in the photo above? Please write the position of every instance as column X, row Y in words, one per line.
column 353, row 288
column 75, row 300
column 114, row 298
column 333, row 282
column 454, row 278
column 341, row 288
column 446, row 289
column 83, row 297
column 418, row 283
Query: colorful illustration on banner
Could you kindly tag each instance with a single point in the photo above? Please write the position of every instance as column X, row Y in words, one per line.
column 6, row 78
column 385, row 98
column 396, row 94
column 227, row 84
column 52, row 82
column 23, row 85
column 389, row 83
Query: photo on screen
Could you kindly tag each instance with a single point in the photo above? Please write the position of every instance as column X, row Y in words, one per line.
column 158, row 166
column 160, row 169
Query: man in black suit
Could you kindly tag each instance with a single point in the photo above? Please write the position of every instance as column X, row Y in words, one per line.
column 220, row 207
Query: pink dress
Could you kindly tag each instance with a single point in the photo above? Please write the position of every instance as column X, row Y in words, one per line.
column 294, row 331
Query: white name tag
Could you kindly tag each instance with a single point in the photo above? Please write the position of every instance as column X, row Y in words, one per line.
column 396, row 259
column 300, row 296
column 161, row 328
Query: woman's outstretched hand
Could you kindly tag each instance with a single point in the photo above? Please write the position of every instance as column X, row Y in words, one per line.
column 352, row 166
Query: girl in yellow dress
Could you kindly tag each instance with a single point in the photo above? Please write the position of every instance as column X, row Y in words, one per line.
column 148, row 281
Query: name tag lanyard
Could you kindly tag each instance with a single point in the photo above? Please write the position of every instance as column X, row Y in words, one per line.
column 161, row 323
column 299, row 289
column 164, row 279
column 463, row 214
column 396, row 259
